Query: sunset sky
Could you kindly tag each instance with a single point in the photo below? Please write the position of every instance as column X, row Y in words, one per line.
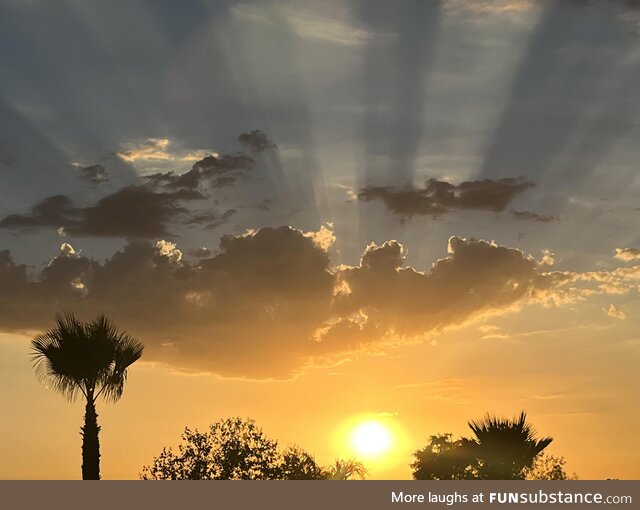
column 320, row 214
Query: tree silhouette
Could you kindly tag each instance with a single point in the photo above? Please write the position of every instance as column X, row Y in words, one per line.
column 505, row 447
column 232, row 449
column 501, row 449
column 89, row 358
column 298, row 464
column 445, row 459
column 237, row 449
column 346, row 470
column 548, row 467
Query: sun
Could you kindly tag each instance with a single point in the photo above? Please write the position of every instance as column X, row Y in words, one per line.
column 371, row 439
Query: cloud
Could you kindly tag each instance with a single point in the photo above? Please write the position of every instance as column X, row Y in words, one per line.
column 548, row 258
column 347, row 190
column 151, row 148
column 257, row 141
column 94, row 173
column 440, row 197
column 201, row 253
column 578, row 286
column 491, row 6
column 531, row 216
column 154, row 154
column 144, row 210
column 216, row 171
column 169, row 250
column 323, row 238
column 477, row 277
column 334, row 31
column 55, row 211
column 211, row 220
column 133, row 211
column 269, row 302
column 68, row 251
column 333, row 28
column 12, row 275
column 627, row 254
column 615, row 312
column 496, row 336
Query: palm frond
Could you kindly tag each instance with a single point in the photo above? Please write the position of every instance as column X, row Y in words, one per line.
column 56, row 354
column 91, row 358
column 126, row 351
column 506, row 446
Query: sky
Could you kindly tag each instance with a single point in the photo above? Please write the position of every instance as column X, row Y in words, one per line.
column 322, row 213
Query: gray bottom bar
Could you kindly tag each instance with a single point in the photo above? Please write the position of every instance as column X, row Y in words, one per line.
column 283, row 495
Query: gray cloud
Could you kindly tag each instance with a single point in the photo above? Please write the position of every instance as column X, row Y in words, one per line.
column 257, row 141
column 133, row 211
column 531, row 216
column 55, row 211
column 12, row 276
column 142, row 210
column 94, row 173
column 268, row 302
column 211, row 220
column 440, row 197
column 214, row 171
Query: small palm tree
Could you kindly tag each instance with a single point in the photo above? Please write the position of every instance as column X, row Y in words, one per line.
column 505, row 447
column 347, row 470
column 89, row 358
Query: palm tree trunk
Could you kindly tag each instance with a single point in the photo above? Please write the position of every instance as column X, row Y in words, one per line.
column 90, row 442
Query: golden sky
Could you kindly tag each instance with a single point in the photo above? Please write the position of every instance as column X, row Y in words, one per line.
column 577, row 383
column 412, row 213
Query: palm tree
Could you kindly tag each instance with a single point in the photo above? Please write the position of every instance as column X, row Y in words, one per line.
column 89, row 358
column 504, row 447
column 346, row 470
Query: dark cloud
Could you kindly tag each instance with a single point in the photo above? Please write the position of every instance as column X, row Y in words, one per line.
column 211, row 220
column 55, row 211
column 12, row 276
column 214, row 171
column 269, row 302
column 94, row 173
column 477, row 277
column 143, row 210
column 531, row 216
column 440, row 197
column 201, row 253
column 133, row 211
column 257, row 141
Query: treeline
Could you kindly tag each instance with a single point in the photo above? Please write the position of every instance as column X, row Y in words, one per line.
column 237, row 449
column 498, row 449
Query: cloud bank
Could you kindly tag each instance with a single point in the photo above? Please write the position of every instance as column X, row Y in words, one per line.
column 269, row 302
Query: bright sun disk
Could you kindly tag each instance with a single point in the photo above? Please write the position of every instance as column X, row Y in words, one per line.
column 371, row 438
